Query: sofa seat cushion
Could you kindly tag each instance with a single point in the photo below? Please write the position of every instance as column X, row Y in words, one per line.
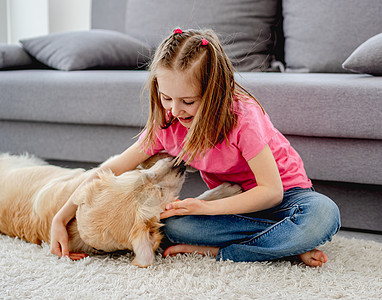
column 77, row 97
column 318, row 105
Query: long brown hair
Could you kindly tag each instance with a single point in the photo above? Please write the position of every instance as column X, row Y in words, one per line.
column 184, row 51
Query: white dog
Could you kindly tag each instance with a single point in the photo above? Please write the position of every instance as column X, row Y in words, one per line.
column 114, row 212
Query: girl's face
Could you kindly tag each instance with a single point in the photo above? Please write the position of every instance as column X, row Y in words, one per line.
column 179, row 95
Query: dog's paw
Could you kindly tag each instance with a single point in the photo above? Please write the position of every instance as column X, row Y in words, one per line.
column 143, row 262
column 227, row 189
column 190, row 169
column 222, row 191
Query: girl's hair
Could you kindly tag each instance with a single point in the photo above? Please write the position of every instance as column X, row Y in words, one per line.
column 201, row 52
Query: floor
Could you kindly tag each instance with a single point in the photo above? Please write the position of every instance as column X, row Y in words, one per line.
column 361, row 235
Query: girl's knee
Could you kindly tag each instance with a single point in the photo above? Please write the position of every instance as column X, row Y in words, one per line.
column 171, row 226
column 318, row 219
column 329, row 208
column 178, row 229
column 325, row 214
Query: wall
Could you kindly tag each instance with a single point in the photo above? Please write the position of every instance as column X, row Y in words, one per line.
column 29, row 18
column 69, row 15
column 3, row 21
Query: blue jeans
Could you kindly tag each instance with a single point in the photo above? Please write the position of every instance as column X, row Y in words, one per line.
column 304, row 220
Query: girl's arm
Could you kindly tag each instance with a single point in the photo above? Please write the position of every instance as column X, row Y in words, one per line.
column 268, row 193
column 59, row 241
column 127, row 160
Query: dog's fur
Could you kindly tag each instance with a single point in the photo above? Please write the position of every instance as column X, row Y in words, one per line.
column 114, row 212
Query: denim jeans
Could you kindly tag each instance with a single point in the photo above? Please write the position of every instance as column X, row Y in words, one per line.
column 304, row 220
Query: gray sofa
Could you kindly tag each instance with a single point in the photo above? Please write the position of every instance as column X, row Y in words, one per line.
column 330, row 115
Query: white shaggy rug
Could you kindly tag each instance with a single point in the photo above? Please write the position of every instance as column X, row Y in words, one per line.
column 28, row 271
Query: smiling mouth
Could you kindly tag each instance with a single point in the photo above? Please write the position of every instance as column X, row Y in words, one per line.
column 188, row 119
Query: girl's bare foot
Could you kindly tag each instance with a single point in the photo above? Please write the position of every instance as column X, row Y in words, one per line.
column 314, row 258
column 182, row 248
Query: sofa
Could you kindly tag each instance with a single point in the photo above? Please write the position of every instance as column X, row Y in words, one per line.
column 313, row 65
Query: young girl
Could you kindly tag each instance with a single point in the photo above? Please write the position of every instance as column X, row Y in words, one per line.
column 199, row 114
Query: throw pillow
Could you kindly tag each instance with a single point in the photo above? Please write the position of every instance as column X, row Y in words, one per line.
column 244, row 27
column 367, row 58
column 320, row 35
column 80, row 50
column 13, row 56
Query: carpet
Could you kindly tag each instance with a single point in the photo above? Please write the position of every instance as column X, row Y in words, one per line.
column 28, row 271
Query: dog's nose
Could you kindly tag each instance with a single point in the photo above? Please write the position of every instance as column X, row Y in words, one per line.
column 181, row 167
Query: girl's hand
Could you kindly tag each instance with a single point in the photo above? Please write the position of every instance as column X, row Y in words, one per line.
column 59, row 242
column 189, row 206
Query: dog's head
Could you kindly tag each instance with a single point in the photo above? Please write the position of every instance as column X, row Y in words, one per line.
column 114, row 212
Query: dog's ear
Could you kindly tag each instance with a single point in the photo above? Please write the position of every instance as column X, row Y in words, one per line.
column 145, row 240
column 151, row 161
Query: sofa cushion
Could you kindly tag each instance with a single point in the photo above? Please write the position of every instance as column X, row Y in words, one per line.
column 13, row 56
column 320, row 105
column 79, row 97
column 108, row 14
column 367, row 58
column 320, row 35
column 79, row 50
column 245, row 27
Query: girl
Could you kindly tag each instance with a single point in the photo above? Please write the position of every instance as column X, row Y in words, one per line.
column 199, row 114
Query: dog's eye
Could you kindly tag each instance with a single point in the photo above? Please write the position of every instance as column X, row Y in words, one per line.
column 150, row 175
column 161, row 191
column 99, row 251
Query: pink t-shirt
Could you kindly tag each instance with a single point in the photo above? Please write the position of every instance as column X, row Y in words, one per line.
column 229, row 162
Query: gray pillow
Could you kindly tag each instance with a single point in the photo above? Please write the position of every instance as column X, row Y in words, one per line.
column 367, row 58
column 13, row 56
column 320, row 35
column 245, row 27
column 78, row 50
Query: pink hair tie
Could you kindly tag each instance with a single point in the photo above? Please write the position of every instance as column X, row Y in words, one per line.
column 178, row 30
column 205, row 42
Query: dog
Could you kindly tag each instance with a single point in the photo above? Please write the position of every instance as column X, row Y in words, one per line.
column 114, row 212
